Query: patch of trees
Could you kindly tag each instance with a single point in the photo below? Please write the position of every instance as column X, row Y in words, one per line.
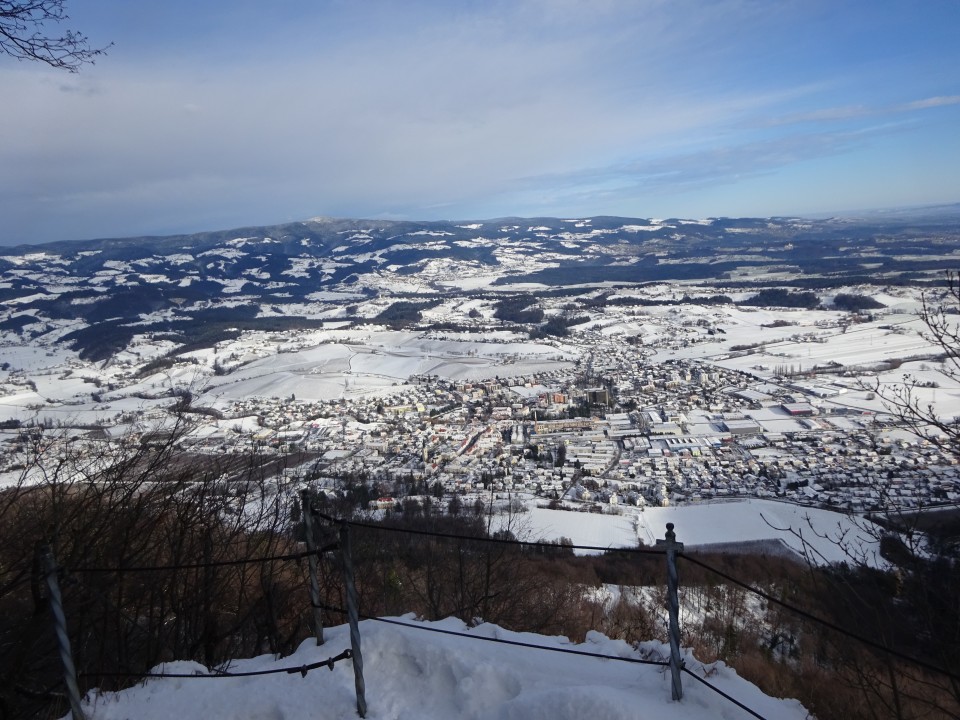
column 518, row 309
column 143, row 505
column 414, row 256
column 451, row 326
column 556, row 326
column 646, row 270
column 408, row 270
column 632, row 300
column 404, row 313
column 596, row 302
column 205, row 329
column 101, row 341
column 780, row 297
column 853, row 302
column 707, row 300
column 838, row 280
column 779, row 323
column 225, row 314
column 127, row 303
column 160, row 363
column 16, row 323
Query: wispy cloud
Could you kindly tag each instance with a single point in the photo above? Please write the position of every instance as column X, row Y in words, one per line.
column 850, row 112
column 932, row 102
column 616, row 185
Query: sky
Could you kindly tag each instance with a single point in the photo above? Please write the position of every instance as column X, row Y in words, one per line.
column 224, row 113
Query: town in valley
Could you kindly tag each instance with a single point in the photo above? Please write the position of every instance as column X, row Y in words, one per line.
column 452, row 367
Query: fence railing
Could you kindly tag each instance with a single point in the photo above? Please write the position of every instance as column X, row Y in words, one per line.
column 340, row 552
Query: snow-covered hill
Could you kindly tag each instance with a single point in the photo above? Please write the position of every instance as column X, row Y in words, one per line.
column 98, row 296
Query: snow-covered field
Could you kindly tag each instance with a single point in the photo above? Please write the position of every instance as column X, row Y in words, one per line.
column 827, row 537
column 341, row 364
column 413, row 673
column 353, row 365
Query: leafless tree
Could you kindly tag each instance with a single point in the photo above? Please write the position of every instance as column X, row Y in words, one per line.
column 25, row 35
column 908, row 603
column 940, row 314
column 172, row 532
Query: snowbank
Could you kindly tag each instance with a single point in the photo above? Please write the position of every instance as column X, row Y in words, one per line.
column 413, row 673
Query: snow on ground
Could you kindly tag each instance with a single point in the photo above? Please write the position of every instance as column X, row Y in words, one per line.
column 248, row 424
column 471, row 282
column 33, row 359
column 890, row 336
column 826, row 533
column 353, row 365
column 413, row 673
column 582, row 528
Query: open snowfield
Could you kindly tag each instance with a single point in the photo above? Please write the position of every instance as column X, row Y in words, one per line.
column 32, row 407
column 859, row 346
column 327, row 364
column 583, row 528
column 32, row 359
column 354, row 365
column 411, row 672
column 826, row 536
column 891, row 336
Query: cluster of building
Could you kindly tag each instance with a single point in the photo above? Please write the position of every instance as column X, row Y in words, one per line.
column 618, row 431
column 617, row 427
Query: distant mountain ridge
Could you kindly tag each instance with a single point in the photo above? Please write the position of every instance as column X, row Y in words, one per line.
column 97, row 294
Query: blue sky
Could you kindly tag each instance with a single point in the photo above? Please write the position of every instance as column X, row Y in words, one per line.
column 217, row 114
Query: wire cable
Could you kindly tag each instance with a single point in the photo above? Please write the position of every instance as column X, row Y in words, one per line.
column 302, row 669
column 803, row 613
column 721, row 692
column 197, row 566
column 501, row 541
column 502, row 641
column 825, row 623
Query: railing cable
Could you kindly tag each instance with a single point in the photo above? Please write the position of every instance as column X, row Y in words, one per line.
column 302, row 669
column 721, row 692
column 502, row 641
column 822, row 621
column 501, row 541
column 201, row 565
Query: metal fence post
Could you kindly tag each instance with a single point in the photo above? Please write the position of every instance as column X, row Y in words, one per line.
column 60, row 626
column 209, row 616
column 353, row 615
column 672, row 547
column 309, row 531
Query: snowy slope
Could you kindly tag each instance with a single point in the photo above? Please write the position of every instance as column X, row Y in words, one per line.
column 413, row 673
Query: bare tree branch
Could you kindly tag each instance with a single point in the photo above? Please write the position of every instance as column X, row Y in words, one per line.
column 24, row 35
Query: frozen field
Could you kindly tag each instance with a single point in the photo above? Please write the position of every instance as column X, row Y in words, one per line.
column 355, row 365
column 827, row 536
